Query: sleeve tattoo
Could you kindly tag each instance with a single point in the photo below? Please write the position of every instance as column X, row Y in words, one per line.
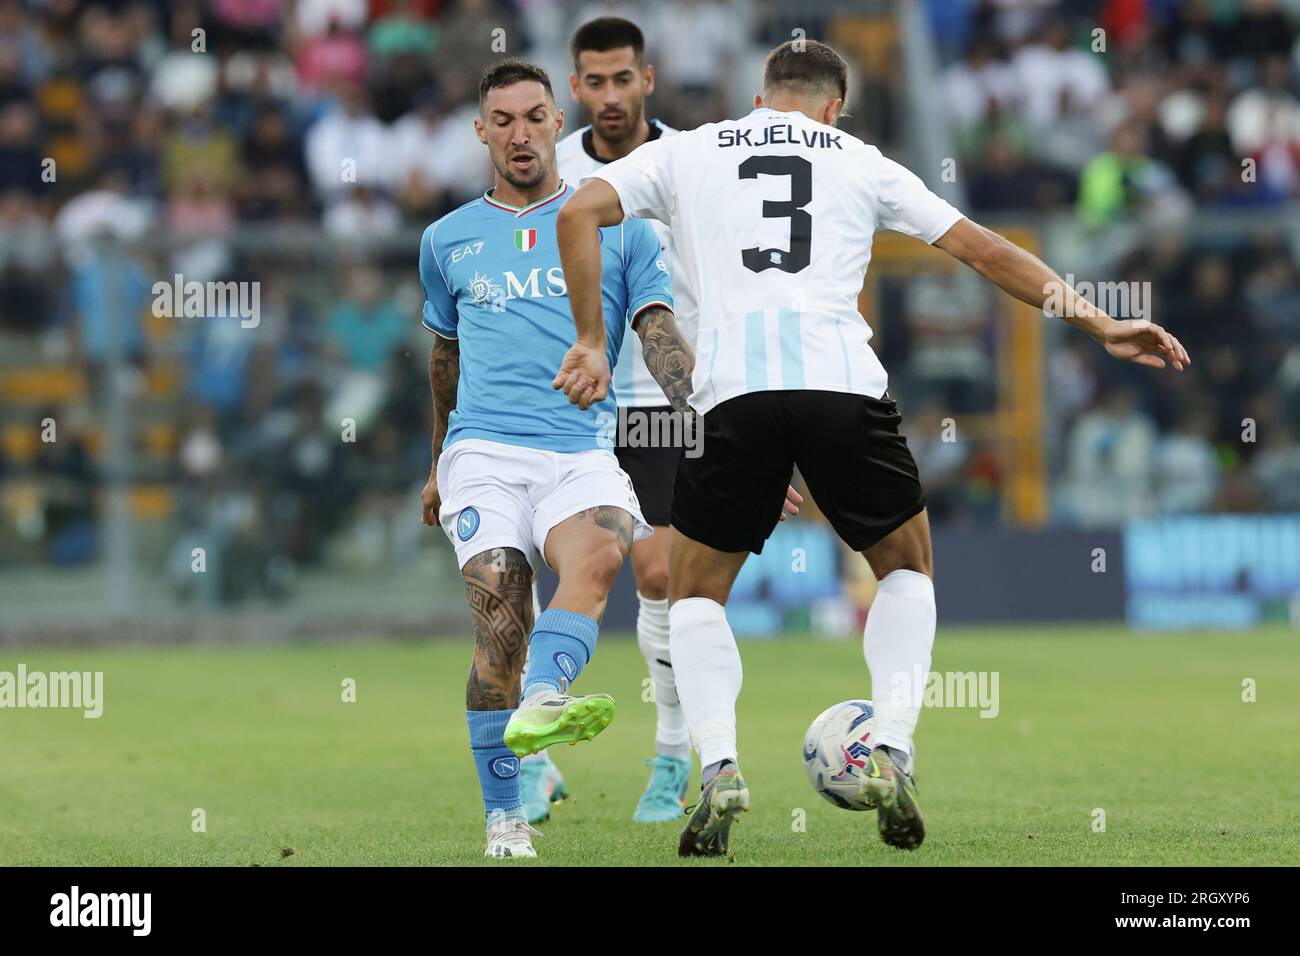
column 444, row 377
column 667, row 355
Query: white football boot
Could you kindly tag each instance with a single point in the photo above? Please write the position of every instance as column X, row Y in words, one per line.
column 509, row 835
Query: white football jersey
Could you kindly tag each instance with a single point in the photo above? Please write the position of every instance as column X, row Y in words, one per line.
column 772, row 219
column 634, row 386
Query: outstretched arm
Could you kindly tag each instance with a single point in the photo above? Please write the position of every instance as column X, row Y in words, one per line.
column 585, row 374
column 444, row 377
column 1030, row 280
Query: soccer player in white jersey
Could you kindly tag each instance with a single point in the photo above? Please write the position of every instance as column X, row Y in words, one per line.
column 772, row 218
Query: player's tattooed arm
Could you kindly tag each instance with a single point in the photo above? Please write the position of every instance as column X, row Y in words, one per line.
column 667, row 355
column 499, row 588
column 444, row 377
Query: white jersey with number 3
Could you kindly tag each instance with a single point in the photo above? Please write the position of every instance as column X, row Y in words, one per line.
column 772, row 218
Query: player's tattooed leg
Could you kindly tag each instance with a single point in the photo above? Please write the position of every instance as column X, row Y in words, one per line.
column 616, row 520
column 498, row 586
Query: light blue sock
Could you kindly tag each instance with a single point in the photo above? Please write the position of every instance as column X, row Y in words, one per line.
column 559, row 648
column 497, row 766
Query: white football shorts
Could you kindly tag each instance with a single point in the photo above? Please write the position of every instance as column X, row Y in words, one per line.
column 496, row 495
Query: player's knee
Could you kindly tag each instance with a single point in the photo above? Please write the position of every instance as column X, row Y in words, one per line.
column 906, row 549
column 882, row 567
column 599, row 566
column 652, row 581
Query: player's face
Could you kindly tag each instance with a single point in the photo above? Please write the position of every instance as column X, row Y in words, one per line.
column 519, row 124
column 612, row 85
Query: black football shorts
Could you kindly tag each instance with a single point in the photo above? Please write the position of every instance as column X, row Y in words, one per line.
column 652, row 468
column 847, row 447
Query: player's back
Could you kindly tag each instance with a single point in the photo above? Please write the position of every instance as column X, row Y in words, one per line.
column 772, row 217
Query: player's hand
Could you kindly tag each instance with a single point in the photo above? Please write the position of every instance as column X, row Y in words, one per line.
column 791, row 504
column 431, row 499
column 584, row 376
column 1144, row 343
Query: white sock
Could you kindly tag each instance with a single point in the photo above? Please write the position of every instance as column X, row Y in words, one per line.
column 707, row 665
column 672, row 737
column 897, row 642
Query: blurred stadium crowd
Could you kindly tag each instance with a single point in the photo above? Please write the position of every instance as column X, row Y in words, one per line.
column 207, row 139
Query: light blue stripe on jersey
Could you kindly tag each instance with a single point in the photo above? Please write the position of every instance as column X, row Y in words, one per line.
column 755, row 352
column 844, row 350
column 791, row 349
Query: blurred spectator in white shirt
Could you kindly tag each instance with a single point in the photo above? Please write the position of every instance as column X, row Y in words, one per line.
column 347, row 146
column 1266, row 113
column 1109, row 462
column 695, row 45
column 979, row 84
column 1056, row 80
column 362, row 216
column 415, row 163
column 1187, row 472
column 314, row 17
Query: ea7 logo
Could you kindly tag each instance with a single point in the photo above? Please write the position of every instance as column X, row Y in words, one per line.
column 102, row 909
column 473, row 249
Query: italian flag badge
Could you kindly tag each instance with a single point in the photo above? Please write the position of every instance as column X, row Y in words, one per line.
column 525, row 239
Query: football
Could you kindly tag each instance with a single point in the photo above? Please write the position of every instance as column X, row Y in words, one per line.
column 835, row 751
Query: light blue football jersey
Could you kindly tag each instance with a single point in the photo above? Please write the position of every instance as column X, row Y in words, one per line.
column 492, row 279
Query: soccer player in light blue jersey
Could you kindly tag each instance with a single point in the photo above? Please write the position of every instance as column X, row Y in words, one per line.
column 519, row 473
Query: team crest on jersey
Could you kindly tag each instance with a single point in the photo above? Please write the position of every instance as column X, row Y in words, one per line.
column 467, row 524
column 525, row 239
column 483, row 291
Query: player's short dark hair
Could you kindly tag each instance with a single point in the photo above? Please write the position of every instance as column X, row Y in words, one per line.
column 510, row 71
column 607, row 33
column 805, row 66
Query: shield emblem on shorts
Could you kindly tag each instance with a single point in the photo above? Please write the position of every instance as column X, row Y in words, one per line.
column 467, row 524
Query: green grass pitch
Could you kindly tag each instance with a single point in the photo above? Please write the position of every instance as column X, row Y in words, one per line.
column 1152, row 730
